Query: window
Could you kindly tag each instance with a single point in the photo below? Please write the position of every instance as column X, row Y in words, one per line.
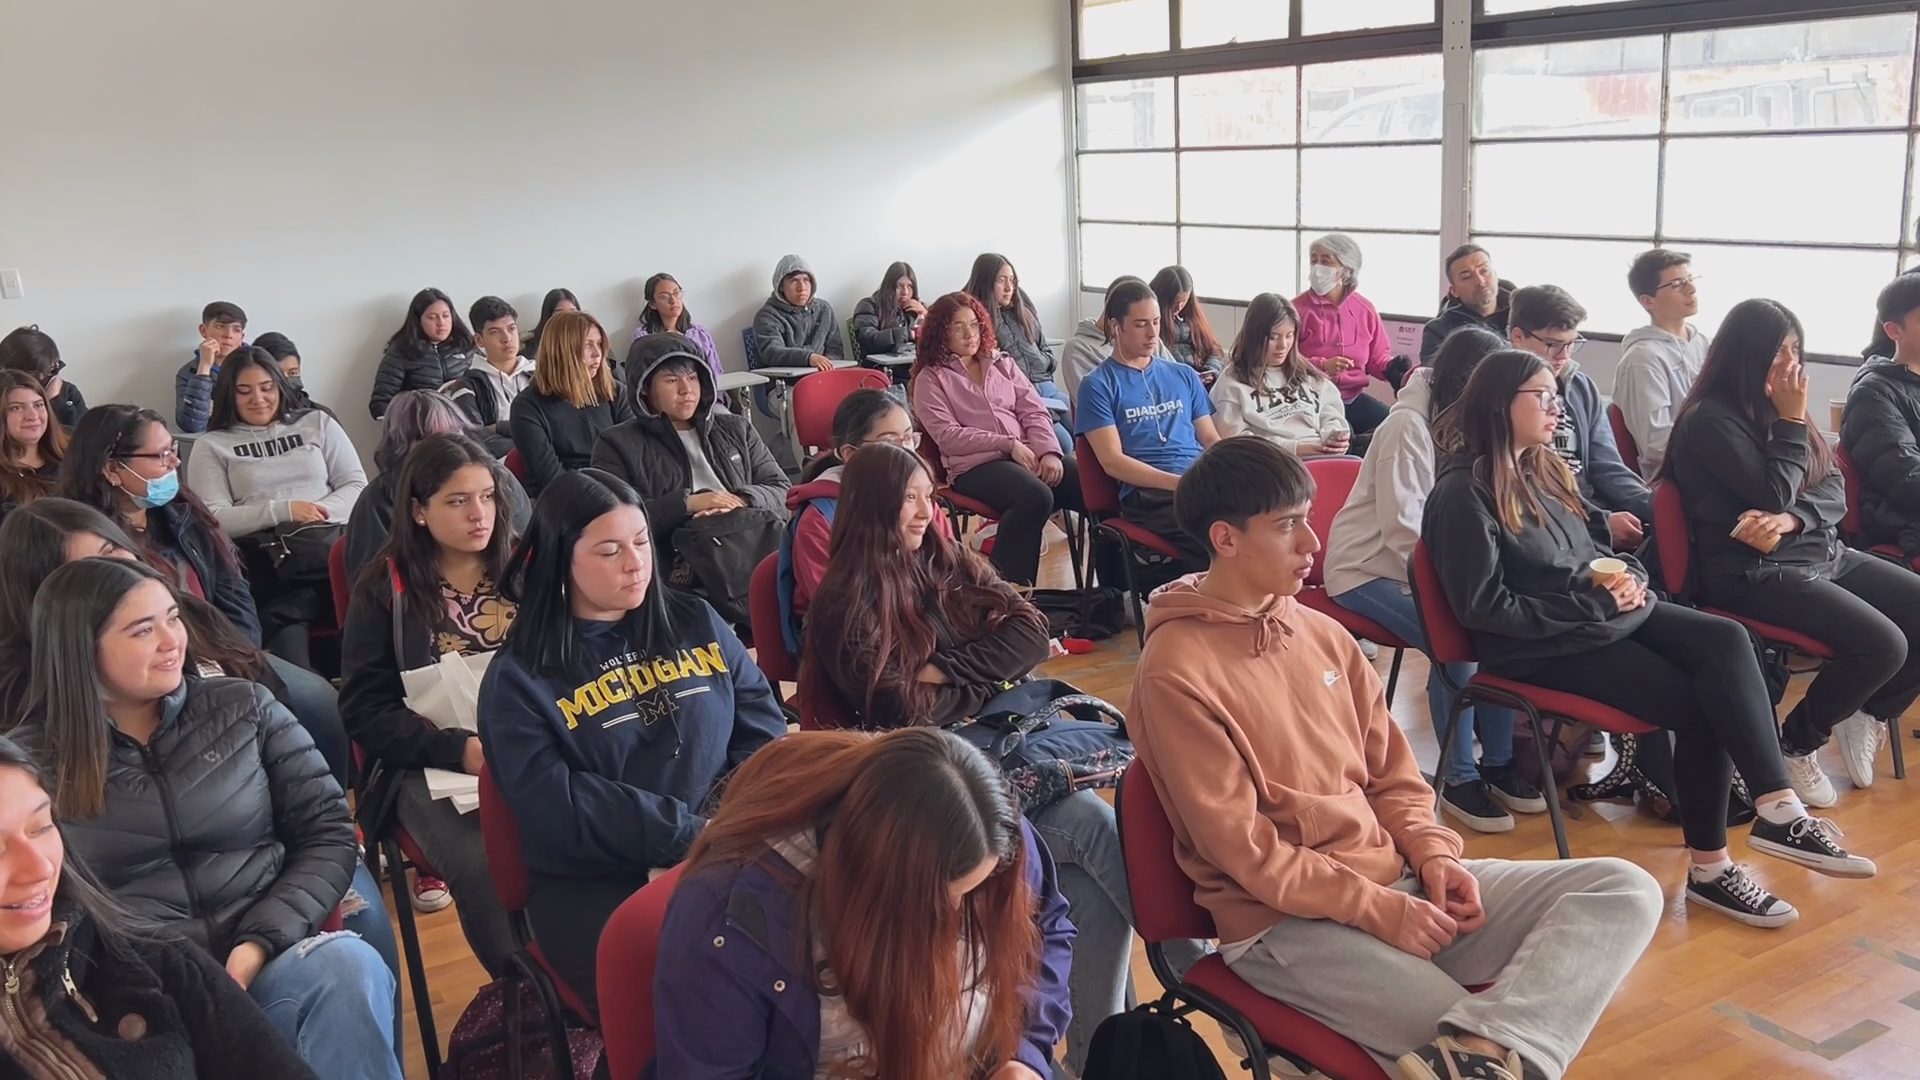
column 1217, row 22
column 1509, row 7
column 1336, row 16
column 1119, row 27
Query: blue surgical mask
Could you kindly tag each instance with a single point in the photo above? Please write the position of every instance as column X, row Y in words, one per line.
column 160, row 491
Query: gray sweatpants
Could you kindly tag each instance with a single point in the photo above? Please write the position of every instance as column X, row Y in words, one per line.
column 1559, row 938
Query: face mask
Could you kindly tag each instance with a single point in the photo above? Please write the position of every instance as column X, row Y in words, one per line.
column 296, row 382
column 160, row 491
column 1323, row 279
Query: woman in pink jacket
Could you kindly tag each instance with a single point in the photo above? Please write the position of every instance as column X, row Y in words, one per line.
column 993, row 432
column 1340, row 330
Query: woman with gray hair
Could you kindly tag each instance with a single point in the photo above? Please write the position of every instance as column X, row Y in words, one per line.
column 1340, row 330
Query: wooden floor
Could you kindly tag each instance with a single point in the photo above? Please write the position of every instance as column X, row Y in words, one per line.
column 1837, row 994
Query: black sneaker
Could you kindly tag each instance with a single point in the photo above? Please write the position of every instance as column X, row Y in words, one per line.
column 1474, row 806
column 1511, row 788
column 1741, row 898
column 1809, row 841
column 1446, row 1059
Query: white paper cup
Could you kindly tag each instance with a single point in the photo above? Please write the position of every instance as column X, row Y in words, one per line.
column 1607, row 570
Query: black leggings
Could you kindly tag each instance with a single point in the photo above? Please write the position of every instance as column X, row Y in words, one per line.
column 1868, row 612
column 567, row 916
column 1695, row 675
column 1024, row 502
column 1152, row 509
column 1365, row 413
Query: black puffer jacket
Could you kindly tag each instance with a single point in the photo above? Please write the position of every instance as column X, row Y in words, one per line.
column 1881, row 430
column 180, row 534
column 440, row 365
column 134, row 1009
column 647, row 452
column 227, row 827
column 871, row 337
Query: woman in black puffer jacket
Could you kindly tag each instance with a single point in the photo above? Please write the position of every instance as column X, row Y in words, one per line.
column 431, row 349
column 203, row 805
column 96, row 991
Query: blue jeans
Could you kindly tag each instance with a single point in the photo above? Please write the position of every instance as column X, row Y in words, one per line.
column 1390, row 604
column 1050, row 392
column 331, row 997
column 1081, row 834
column 316, row 704
column 364, row 912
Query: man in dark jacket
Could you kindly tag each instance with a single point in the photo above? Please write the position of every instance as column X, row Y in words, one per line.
column 1476, row 296
column 1880, row 429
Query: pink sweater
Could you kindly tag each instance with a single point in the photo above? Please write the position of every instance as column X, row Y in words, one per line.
column 1352, row 329
column 973, row 425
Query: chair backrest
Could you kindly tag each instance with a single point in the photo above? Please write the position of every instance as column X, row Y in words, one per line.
column 854, row 352
column 816, row 396
column 1447, row 641
column 516, row 464
column 625, row 958
column 930, row 454
column 337, row 578
column 1673, row 536
column 763, row 612
column 1853, row 524
column 752, row 350
column 1163, row 905
column 1098, row 492
column 506, row 860
column 1622, row 438
column 1333, row 480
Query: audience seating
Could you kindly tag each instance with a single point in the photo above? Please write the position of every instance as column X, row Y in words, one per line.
column 1623, row 438
column 1449, row 643
column 769, row 643
column 337, row 578
column 512, row 883
column 1333, row 479
column 629, row 949
column 746, row 344
column 963, row 507
column 516, row 463
column 816, row 396
column 1675, row 544
column 1101, row 496
column 1164, row 910
column 1853, row 526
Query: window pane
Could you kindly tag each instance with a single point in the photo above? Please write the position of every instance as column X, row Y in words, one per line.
column 1371, row 187
column 1594, row 271
column 1116, row 27
column 1127, row 187
column 1133, row 114
column 1217, row 22
column 1391, row 100
column 1840, row 188
column 1399, row 272
column 1108, row 251
column 1508, row 7
column 1831, row 291
column 1237, row 108
column 1237, row 187
column 1333, row 16
column 1604, row 188
column 1838, row 73
column 1239, row 264
column 1568, row 88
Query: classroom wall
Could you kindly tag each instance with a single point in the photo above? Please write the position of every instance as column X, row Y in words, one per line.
column 319, row 163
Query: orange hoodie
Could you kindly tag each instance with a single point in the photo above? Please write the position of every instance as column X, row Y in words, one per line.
column 1290, row 789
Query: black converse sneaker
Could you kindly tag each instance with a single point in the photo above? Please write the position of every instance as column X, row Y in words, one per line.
column 1507, row 785
column 1739, row 897
column 1474, row 807
column 1445, row 1059
column 1809, row 841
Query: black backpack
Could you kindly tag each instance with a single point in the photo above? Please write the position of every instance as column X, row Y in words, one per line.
column 721, row 551
column 1095, row 613
column 1149, row 1043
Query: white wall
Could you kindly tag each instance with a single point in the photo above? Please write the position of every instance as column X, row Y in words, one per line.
column 318, row 163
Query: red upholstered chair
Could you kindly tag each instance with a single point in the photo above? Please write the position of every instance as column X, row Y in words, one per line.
column 1449, row 643
column 1854, row 525
column 512, row 883
column 1164, row 910
column 816, row 396
column 769, row 642
column 1676, row 562
column 1333, row 479
column 337, row 578
column 1100, row 494
column 1622, row 438
column 629, row 947
column 962, row 507
column 516, row 463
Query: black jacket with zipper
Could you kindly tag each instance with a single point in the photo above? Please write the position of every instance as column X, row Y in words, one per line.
column 435, row 368
column 1525, row 595
column 133, row 1008
column 1881, row 430
column 177, row 532
column 226, row 827
column 871, row 337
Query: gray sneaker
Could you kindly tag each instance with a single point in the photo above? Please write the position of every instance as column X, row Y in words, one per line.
column 1860, row 737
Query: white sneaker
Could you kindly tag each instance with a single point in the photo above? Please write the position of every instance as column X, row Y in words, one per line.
column 1369, row 650
column 1861, row 737
column 1809, row 782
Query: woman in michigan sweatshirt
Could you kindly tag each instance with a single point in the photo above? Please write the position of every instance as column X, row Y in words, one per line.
column 609, row 715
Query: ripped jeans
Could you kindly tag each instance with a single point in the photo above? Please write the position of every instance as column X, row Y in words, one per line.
column 331, row 996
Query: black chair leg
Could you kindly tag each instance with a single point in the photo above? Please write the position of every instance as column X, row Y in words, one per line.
column 1460, row 702
column 1899, row 753
column 1133, row 593
column 1074, row 549
column 410, row 946
column 1551, row 789
column 1393, row 674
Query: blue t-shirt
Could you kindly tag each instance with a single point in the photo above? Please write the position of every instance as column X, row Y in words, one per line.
column 1153, row 410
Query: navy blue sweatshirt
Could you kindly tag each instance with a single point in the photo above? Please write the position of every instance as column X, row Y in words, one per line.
column 607, row 775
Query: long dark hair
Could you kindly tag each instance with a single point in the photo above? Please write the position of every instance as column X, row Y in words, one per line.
column 1167, row 285
column 932, row 349
column 649, row 318
column 1454, row 363
column 853, row 421
column 539, row 578
column 411, row 343
column 114, row 922
column 19, row 485
column 226, row 411
column 1480, row 424
column 101, row 438
column 549, row 304
column 873, row 619
column 410, row 546
column 898, row 819
column 883, row 297
column 1248, row 362
column 980, row 283
column 1736, row 375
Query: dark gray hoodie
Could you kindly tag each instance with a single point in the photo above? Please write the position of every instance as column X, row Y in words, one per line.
column 787, row 336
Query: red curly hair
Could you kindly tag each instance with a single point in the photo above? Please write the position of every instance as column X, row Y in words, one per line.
column 931, row 348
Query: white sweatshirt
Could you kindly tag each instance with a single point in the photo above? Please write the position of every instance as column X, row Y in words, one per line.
column 1290, row 416
column 250, row 477
column 1656, row 371
column 1374, row 533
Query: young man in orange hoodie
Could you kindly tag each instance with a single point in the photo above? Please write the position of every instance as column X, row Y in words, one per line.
column 1301, row 816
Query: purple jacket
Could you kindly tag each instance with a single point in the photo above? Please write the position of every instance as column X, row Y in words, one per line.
column 973, row 425
column 1352, row 329
column 730, row 1001
column 699, row 336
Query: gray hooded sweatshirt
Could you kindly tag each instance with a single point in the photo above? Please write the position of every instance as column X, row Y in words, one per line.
column 1656, row 371
column 787, row 336
column 1374, row 533
column 250, row 477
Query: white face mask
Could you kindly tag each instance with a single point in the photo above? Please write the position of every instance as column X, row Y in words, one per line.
column 1323, row 279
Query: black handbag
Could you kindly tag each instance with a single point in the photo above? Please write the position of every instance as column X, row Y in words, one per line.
column 298, row 553
column 1051, row 740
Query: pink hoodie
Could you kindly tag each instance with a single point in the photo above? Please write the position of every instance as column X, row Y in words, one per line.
column 1351, row 328
column 973, row 425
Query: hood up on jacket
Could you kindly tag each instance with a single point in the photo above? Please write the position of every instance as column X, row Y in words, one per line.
column 788, row 266
column 1181, row 598
column 1417, row 395
column 647, row 354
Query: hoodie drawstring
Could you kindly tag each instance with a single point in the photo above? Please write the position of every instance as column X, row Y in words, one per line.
column 1265, row 625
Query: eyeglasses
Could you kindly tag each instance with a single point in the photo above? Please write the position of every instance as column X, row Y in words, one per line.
column 1549, row 400
column 1680, row 283
column 663, row 297
column 169, row 456
column 908, row 441
column 1558, row 348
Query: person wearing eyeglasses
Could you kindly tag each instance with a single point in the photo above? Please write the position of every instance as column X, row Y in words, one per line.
column 1545, row 321
column 31, row 350
column 1659, row 361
